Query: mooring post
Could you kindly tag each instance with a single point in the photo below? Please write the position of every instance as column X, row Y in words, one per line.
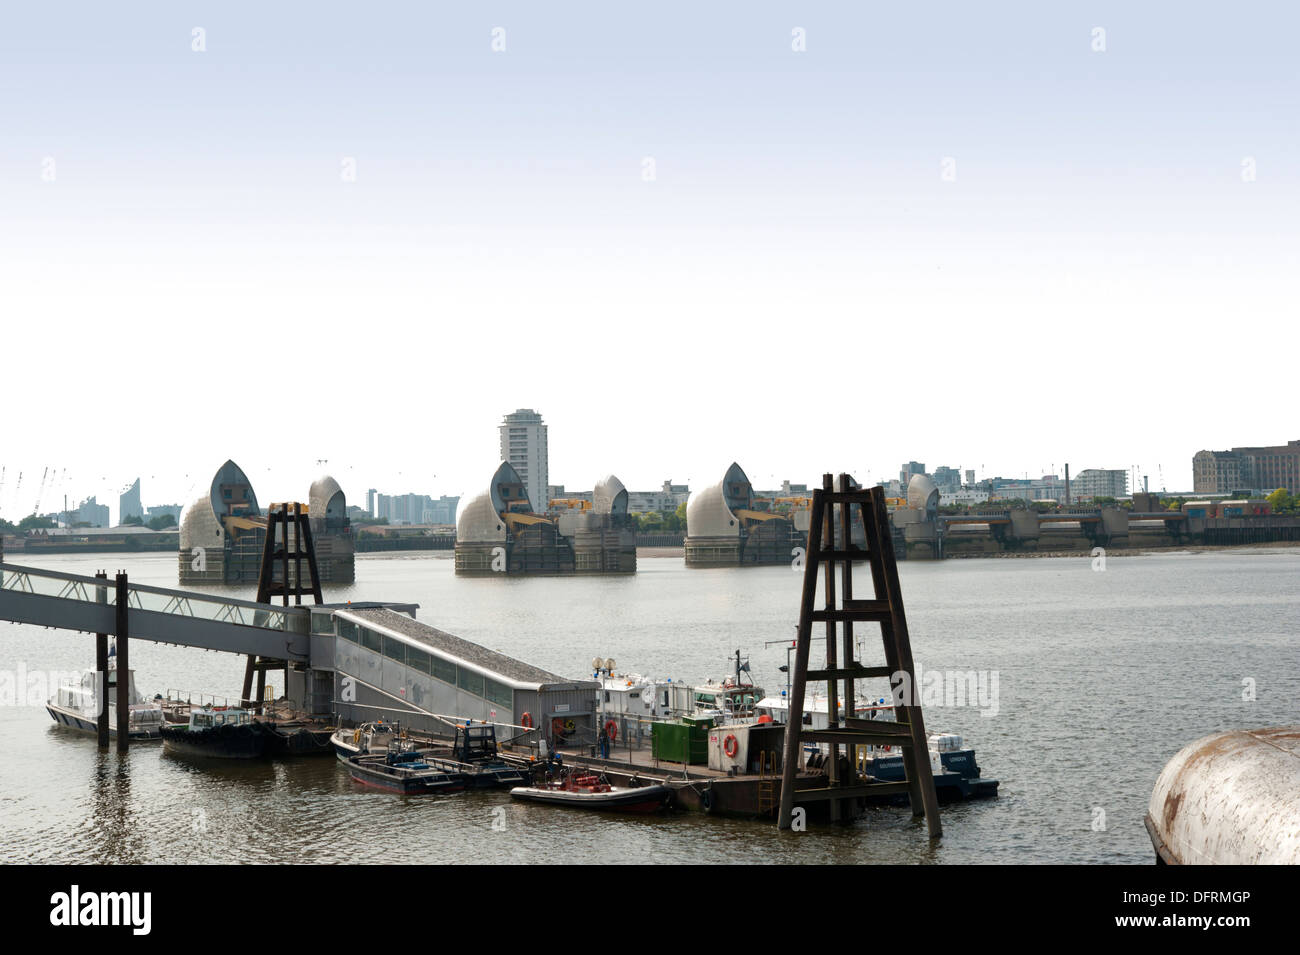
column 123, row 666
column 101, row 667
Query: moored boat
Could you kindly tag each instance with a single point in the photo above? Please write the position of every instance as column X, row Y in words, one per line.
column 405, row 772
column 579, row 789
column 475, row 752
column 952, row 764
column 368, row 739
column 220, row 732
column 77, row 705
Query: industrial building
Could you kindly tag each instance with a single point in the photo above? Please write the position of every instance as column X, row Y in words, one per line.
column 1255, row 469
column 223, row 533
column 500, row 531
column 724, row 527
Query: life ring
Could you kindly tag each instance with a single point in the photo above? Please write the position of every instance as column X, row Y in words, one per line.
column 526, row 721
column 611, row 730
column 730, row 746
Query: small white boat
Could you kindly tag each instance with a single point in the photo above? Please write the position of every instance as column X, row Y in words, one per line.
column 76, row 705
column 368, row 739
column 583, row 790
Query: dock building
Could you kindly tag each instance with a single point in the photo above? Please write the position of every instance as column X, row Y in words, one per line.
column 396, row 667
column 500, row 531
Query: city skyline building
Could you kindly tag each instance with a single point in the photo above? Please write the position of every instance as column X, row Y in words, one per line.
column 523, row 447
column 1098, row 482
column 128, row 503
column 1264, row 469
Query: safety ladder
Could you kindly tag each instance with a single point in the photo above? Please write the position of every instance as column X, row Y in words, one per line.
column 766, row 782
column 832, row 506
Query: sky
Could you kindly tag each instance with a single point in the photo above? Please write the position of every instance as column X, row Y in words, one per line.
column 808, row 238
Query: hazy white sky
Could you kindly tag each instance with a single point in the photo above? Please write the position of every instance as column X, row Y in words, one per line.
column 1106, row 275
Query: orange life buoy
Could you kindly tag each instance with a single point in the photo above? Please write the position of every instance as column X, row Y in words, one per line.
column 730, row 746
column 526, row 721
column 611, row 729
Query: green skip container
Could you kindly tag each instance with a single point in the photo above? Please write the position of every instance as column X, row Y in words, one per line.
column 681, row 742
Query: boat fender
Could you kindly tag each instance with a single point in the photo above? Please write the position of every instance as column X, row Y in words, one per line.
column 706, row 798
column 730, row 746
column 356, row 737
column 611, row 730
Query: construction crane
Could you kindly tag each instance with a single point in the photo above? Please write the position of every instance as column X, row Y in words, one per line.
column 40, row 491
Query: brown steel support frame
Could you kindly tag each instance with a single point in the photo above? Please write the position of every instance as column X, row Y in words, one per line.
column 101, row 670
column 123, row 692
column 894, row 636
column 276, row 545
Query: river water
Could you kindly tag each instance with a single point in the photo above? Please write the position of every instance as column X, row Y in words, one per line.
column 1101, row 675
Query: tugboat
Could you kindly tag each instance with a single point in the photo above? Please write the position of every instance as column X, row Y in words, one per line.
column 221, row 732
column 404, row 769
column 77, row 705
column 581, row 789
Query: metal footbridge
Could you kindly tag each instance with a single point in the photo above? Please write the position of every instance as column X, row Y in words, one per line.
column 48, row 598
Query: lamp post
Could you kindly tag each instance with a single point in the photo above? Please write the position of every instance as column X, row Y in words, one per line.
column 604, row 669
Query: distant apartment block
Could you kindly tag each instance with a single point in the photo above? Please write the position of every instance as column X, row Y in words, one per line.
column 164, row 510
column 963, row 497
column 523, row 446
column 89, row 513
column 414, row 508
column 1262, row 469
column 947, row 480
column 668, row 498
column 1096, row 482
column 128, row 503
column 1049, row 487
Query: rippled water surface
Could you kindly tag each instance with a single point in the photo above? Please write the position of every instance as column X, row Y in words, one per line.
column 1102, row 676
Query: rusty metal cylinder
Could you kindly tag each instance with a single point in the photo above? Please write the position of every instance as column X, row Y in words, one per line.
column 1232, row 798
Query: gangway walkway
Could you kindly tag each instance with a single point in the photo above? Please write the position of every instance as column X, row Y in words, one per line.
column 50, row 598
